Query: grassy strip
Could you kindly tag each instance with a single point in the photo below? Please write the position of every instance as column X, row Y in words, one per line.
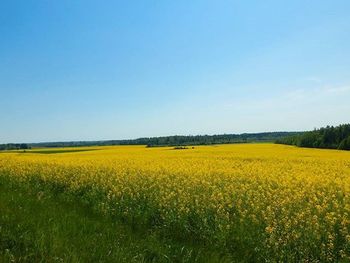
column 54, row 151
column 38, row 225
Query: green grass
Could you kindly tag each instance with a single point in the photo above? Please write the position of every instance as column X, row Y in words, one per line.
column 38, row 225
column 53, row 151
column 49, row 151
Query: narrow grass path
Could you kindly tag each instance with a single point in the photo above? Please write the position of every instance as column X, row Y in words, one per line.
column 38, row 226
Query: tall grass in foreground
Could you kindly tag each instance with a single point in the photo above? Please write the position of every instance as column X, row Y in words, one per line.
column 258, row 202
column 41, row 225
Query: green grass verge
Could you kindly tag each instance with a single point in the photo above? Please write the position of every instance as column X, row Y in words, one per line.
column 50, row 151
column 53, row 151
column 38, row 225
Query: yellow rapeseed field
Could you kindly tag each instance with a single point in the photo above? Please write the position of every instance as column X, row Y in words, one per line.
column 280, row 202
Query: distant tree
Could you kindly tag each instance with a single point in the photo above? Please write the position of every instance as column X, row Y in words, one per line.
column 23, row 146
column 328, row 137
column 345, row 144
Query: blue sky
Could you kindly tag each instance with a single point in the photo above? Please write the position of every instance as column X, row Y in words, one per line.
column 87, row 70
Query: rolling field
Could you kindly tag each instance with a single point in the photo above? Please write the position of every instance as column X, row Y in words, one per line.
column 244, row 202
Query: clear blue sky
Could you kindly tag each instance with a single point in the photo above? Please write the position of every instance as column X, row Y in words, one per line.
column 86, row 70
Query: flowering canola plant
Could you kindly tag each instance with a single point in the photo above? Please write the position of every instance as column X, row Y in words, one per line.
column 279, row 202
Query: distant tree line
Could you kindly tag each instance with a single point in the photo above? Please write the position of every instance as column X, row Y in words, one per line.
column 14, row 146
column 178, row 140
column 329, row 137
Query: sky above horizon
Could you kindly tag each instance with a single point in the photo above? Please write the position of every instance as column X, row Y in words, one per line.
column 95, row 70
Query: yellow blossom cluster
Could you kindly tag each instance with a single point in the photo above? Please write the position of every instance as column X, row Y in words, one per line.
column 280, row 202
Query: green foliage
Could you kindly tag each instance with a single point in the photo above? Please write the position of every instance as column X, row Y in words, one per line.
column 178, row 140
column 345, row 144
column 14, row 146
column 39, row 225
column 64, row 150
column 329, row 137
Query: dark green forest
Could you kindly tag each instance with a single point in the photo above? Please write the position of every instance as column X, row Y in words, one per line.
column 176, row 140
column 14, row 146
column 329, row 137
